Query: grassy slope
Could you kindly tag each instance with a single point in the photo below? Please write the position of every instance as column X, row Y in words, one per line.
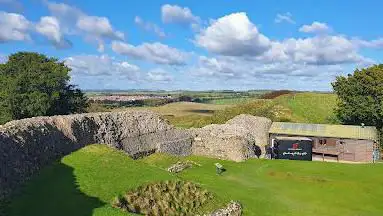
column 264, row 187
column 300, row 107
column 182, row 109
column 231, row 101
column 185, row 114
column 309, row 107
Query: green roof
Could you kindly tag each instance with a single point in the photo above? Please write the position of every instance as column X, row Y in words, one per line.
column 325, row 130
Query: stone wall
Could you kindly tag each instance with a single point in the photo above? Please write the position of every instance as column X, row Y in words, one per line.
column 241, row 138
column 29, row 144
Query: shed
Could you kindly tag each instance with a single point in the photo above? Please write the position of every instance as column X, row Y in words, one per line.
column 345, row 142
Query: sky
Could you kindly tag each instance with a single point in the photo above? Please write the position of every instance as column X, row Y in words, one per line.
column 198, row 45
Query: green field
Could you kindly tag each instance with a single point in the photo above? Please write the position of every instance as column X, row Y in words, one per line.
column 231, row 101
column 309, row 107
column 85, row 182
column 298, row 107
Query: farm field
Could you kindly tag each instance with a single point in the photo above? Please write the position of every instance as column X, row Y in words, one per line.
column 85, row 182
column 293, row 107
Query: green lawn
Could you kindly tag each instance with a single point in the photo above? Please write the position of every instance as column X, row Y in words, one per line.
column 85, row 182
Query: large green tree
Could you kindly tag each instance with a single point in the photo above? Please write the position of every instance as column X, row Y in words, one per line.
column 361, row 96
column 33, row 84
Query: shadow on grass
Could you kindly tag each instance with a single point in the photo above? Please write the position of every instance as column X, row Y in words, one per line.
column 201, row 111
column 54, row 191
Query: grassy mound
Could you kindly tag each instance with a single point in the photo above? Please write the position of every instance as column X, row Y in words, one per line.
column 292, row 107
column 87, row 181
column 164, row 198
column 310, row 107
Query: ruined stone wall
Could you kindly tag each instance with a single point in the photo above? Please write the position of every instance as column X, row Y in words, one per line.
column 29, row 144
column 241, row 138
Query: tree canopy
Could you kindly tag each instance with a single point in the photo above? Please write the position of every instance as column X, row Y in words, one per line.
column 33, row 84
column 361, row 97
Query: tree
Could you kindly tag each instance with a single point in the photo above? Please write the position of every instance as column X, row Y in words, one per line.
column 361, row 97
column 32, row 84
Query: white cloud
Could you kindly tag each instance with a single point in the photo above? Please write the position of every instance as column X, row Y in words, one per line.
column 318, row 50
column 154, row 52
column 103, row 65
column 375, row 44
column 148, row 26
column 159, row 75
column 322, row 50
column 286, row 17
column 50, row 28
column 177, row 14
column 218, row 67
column 233, row 35
column 95, row 29
column 315, row 27
column 98, row 26
column 244, row 69
column 14, row 27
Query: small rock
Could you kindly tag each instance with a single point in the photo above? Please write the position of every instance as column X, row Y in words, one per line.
column 232, row 209
column 179, row 166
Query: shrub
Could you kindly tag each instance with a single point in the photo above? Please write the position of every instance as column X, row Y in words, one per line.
column 164, row 198
column 274, row 94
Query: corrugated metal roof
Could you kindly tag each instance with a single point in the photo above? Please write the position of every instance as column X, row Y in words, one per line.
column 324, row 130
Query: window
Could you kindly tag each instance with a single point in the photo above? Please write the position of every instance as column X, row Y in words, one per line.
column 322, row 141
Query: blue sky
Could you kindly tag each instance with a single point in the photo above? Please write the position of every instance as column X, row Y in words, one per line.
column 198, row 45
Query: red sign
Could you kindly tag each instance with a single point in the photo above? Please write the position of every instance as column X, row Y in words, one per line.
column 295, row 145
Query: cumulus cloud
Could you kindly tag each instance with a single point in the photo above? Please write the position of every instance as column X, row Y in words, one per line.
column 95, row 29
column 244, row 69
column 50, row 28
column 177, row 14
column 217, row 67
column 286, row 17
column 154, row 52
column 315, row 27
column 233, row 35
column 14, row 27
column 99, row 26
column 322, row 50
column 103, row 65
column 148, row 26
column 159, row 75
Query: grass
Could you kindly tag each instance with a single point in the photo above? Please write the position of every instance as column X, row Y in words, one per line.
column 230, row 101
column 86, row 182
column 295, row 107
column 309, row 107
column 184, row 114
column 182, row 109
column 166, row 198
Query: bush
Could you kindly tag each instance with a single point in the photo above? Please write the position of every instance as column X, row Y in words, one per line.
column 274, row 94
column 164, row 198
